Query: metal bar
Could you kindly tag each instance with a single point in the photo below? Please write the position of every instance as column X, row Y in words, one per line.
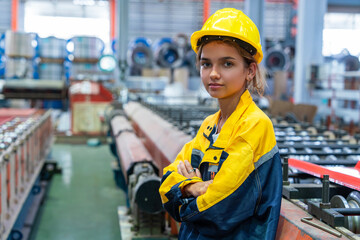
column 348, row 211
column 331, row 231
column 325, row 193
column 335, row 176
column 286, row 172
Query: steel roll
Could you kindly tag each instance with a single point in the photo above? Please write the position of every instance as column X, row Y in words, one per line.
column 52, row 47
column 85, row 47
column 51, row 71
column 16, row 68
column 20, row 44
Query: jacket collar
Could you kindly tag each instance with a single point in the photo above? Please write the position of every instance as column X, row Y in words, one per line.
column 228, row 127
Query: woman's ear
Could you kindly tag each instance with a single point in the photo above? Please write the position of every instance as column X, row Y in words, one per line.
column 251, row 71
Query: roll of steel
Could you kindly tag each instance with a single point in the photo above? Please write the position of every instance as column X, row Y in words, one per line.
column 168, row 54
column 52, row 47
column 85, row 47
column 20, row 44
column 16, row 68
column 51, row 71
column 140, row 53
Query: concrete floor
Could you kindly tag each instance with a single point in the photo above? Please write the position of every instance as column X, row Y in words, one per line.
column 82, row 201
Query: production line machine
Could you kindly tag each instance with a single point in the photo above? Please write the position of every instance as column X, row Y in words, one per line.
column 310, row 161
column 142, row 182
column 25, row 141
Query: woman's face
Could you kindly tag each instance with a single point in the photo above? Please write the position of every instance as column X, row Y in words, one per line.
column 222, row 70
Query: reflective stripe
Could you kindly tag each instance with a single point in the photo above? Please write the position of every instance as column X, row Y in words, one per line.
column 266, row 157
column 198, row 153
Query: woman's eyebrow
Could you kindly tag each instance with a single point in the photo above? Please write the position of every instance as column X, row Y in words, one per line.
column 223, row 58
column 204, row 59
column 226, row 58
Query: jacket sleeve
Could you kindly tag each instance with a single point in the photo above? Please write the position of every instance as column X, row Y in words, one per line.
column 172, row 183
column 234, row 197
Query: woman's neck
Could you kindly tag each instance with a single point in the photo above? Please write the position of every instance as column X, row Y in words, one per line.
column 228, row 106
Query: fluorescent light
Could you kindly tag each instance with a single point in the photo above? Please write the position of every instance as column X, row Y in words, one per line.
column 84, row 2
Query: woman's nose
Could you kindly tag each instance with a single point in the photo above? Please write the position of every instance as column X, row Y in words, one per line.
column 214, row 74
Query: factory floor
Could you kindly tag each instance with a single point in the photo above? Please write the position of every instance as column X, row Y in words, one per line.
column 82, row 201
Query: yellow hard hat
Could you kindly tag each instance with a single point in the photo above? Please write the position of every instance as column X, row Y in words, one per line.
column 230, row 22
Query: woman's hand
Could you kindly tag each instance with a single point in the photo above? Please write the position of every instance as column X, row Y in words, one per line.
column 185, row 169
column 196, row 189
column 192, row 189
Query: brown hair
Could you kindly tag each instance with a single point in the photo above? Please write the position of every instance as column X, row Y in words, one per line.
column 258, row 83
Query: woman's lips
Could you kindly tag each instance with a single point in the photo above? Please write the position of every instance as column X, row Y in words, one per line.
column 214, row 86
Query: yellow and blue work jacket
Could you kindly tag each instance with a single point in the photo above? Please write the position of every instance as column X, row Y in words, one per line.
column 243, row 202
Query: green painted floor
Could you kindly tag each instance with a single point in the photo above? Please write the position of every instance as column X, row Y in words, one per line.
column 82, row 201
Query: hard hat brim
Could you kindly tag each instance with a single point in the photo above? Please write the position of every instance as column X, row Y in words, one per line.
column 199, row 34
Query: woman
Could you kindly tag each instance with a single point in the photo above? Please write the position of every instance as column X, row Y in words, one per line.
column 226, row 183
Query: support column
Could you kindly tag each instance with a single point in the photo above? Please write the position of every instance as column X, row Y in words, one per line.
column 14, row 15
column 206, row 10
column 308, row 47
column 123, row 36
column 255, row 9
column 112, row 6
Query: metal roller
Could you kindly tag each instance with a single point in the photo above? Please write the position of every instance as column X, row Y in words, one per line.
column 25, row 140
column 141, row 176
column 339, row 201
column 146, row 187
column 277, row 59
column 354, row 202
column 162, row 140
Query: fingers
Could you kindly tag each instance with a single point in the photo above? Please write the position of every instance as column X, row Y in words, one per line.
column 197, row 173
column 187, row 166
column 194, row 172
column 185, row 169
column 181, row 169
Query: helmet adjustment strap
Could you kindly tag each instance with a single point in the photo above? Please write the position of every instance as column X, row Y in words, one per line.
column 246, row 46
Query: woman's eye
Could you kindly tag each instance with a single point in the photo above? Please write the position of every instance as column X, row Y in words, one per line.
column 228, row 64
column 205, row 64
